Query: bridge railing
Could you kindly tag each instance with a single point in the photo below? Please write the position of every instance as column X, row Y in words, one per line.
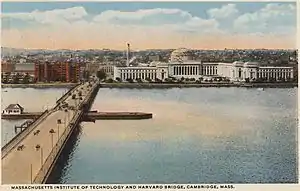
column 19, row 137
column 46, row 168
column 56, row 150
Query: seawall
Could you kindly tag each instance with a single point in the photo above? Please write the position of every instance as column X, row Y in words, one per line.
column 201, row 85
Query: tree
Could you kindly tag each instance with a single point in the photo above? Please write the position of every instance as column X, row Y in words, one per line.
column 118, row 79
column 101, row 74
column 26, row 78
column 129, row 80
column 168, row 80
column 16, row 78
column 109, row 80
column 148, row 79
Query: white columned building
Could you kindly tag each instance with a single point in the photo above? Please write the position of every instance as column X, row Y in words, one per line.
column 183, row 65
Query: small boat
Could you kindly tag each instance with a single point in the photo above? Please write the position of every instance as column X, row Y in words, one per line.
column 5, row 90
column 261, row 89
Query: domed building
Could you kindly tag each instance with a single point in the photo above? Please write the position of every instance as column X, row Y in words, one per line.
column 183, row 64
column 181, row 54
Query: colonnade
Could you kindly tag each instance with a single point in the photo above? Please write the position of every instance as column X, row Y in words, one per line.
column 185, row 70
column 208, row 70
column 275, row 73
column 138, row 73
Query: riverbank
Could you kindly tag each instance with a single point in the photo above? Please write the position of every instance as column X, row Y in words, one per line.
column 155, row 85
column 204, row 85
column 39, row 85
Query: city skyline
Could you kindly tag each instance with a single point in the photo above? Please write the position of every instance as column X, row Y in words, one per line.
column 155, row 25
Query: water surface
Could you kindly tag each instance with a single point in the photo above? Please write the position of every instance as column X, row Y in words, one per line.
column 197, row 135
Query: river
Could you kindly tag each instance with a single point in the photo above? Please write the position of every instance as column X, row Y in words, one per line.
column 197, row 135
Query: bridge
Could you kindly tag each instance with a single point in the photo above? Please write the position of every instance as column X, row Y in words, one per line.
column 30, row 156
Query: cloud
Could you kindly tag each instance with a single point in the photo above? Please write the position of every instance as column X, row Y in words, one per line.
column 149, row 28
column 273, row 18
column 226, row 11
column 49, row 17
column 144, row 17
column 173, row 19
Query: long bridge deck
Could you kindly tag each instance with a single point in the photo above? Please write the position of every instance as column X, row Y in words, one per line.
column 24, row 157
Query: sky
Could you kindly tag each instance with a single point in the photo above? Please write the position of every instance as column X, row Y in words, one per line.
column 148, row 25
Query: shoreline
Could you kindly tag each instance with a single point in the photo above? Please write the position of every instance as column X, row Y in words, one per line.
column 202, row 85
column 156, row 85
column 42, row 85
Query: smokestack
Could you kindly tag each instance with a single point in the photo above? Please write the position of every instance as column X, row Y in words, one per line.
column 128, row 53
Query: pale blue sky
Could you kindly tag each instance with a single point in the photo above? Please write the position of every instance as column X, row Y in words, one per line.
column 178, row 18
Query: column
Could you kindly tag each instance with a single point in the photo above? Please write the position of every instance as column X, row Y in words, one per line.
column 285, row 74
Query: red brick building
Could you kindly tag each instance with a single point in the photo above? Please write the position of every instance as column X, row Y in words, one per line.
column 59, row 71
column 7, row 67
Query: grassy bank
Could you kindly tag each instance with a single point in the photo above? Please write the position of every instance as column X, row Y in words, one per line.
column 204, row 85
column 39, row 85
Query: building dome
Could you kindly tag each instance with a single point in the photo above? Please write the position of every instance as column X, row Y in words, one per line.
column 181, row 54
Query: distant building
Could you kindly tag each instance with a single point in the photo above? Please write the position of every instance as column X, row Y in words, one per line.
column 108, row 69
column 25, row 68
column 59, row 71
column 182, row 64
column 155, row 58
column 7, row 67
column 13, row 109
column 92, row 67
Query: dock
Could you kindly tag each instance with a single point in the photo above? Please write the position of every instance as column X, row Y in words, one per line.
column 25, row 115
column 89, row 116
column 117, row 115
column 23, row 125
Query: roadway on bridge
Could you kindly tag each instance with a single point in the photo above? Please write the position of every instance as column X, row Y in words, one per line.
column 21, row 166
